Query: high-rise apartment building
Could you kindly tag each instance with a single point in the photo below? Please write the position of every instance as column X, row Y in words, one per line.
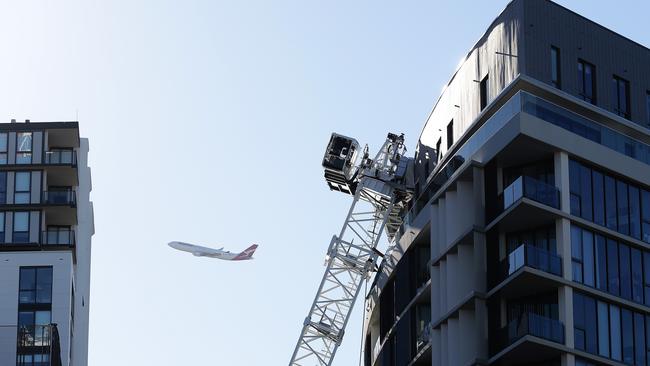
column 528, row 242
column 46, row 225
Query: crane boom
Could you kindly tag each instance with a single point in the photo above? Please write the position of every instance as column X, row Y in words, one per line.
column 380, row 194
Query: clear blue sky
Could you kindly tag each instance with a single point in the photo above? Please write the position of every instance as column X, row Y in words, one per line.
column 207, row 122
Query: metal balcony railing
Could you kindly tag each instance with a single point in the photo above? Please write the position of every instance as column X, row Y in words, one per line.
column 34, row 336
column 534, row 325
column 58, row 237
column 424, row 337
column 531, row 188
column 61, row 157
column 60, row 197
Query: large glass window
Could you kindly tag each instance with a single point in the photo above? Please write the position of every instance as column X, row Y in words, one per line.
column 610, row 203
column 3, row 147
column 621, row 96
column 628, row 336
column 555, row 67
column 615, row 332
column 35, row 285
column 21, row 227
column 24, row 148
column 599, row 194
column 635, row 211
column 639, row 340
column 603, row 329
column 601, row 263
column 645, row 216
column 624, row 268
column 587, row 81
column 646, row 277
column 619, row 205
column 576, row 253
column 637, row 275
column 647, row 106
column 22, row 189
column 623, row 208
column 612, row 267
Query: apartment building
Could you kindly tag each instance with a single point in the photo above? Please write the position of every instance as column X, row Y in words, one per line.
column 528, row 242
column 46, row 225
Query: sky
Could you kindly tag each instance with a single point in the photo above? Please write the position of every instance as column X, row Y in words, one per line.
column 207, row 123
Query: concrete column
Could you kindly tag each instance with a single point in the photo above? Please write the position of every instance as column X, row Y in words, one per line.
column 561, row 164
column 565, row 302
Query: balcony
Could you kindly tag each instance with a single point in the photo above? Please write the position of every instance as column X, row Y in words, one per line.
column 63, row 197
column 61, row 157
column 57, row 237
column 531, row 188
column 528, row 255
column 529, row 334
column 18, row 344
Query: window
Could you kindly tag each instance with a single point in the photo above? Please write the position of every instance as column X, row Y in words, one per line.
column 637, row 275
column 22, row 188
column 585, row 323
column 612, row 267
column 450, row 134
column 574, row 187
column 610, row 203
column 635, row 211
column 601, row 263
column 645, row 216
column 639, row 340
column 621, row 96
column 576, row 253
column 599, row 194
column 3, row 187
column 588, row 257
column 3, row 147
column 35, row 285
column 21, row 227
column 603, row 329
column 24, row 148
column 647, row 106
column 628, row 336
column 484, row 92
column 623, row 208
column 615, row 331
column 624, row 268
column 587, row 81
column 555, row 67
column 585, row 193
column 438, row 152
column 646, row 277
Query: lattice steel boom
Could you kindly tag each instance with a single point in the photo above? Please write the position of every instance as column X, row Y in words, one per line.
column 380, row 194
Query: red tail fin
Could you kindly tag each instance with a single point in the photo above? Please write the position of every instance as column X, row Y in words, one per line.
column 246, row 254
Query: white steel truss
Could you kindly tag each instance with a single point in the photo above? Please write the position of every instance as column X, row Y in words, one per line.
column 351, row 258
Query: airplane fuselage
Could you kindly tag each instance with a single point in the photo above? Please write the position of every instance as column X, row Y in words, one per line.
column 200, row 251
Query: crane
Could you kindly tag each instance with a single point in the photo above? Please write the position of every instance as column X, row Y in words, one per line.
column 381, row 189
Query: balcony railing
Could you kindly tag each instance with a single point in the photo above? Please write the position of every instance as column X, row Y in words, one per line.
column 60, row 197
column 529, row 188
column 61, row 157
column 528, row 255
column 34, row 336
column 534, row 325
column 424, row 337
column 58, row 237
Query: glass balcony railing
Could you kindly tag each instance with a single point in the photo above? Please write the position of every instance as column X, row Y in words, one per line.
column 58, row 237
column 34, row 335
column 530, row 256
column 534, row 325
column 61, row 157
column 529, row 188
column 60, row 197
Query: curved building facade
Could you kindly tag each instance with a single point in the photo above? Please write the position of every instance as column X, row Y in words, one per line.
column 528, row 242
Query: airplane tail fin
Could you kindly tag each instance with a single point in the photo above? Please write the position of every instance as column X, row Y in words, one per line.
column 246, row 254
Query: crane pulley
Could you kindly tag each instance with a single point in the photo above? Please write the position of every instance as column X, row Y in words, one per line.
column 381, row 189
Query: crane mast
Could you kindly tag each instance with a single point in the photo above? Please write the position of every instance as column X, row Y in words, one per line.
column 380, row 192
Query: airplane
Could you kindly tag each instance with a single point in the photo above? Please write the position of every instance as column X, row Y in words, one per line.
column 200, row 251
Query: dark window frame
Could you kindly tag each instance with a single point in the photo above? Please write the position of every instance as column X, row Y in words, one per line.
column 450, row 134
column 583, row 82
column 29, row 188
column 13, row 229
column 556, row 67
column 616, row 97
